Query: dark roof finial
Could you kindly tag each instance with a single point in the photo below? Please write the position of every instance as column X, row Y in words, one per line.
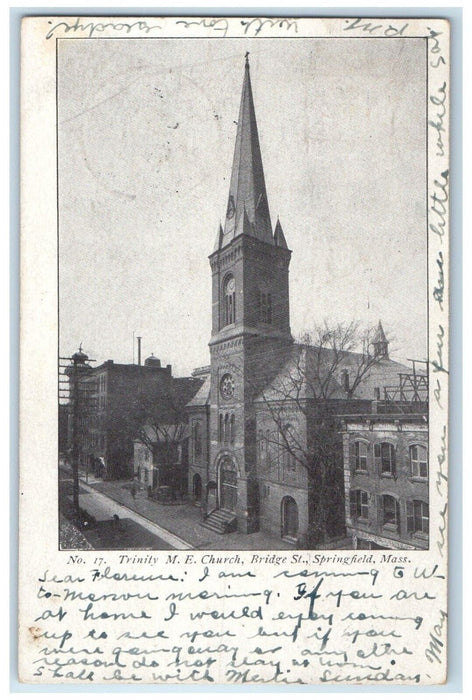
column 247, row 58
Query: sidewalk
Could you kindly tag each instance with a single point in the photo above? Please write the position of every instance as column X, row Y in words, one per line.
column 183, row 520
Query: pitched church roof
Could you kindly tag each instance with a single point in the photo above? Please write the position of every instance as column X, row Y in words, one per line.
column 202, row 397
column 307, row 373
column 248, row 209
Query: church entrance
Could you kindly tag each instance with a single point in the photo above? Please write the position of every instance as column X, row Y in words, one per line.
column 289, row 518
column 228, row 485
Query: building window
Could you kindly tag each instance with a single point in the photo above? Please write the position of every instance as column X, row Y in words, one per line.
column 221, row 429
column 384, row 458
column 231, row 429
column 197, row 440
column 418, row 517
column 419, row 461
column 360, row 456
column 288, row 459
column 359, row 504
column 229, row 298
column 267, row 444
column 260, row 445
column 265, row 307
column 102, row 391
column 390, row 513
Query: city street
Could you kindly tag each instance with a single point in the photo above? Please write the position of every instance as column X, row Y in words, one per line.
column 146, row 524
column 116, row 526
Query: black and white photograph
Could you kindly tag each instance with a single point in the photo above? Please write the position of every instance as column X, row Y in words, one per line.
column 242, row 281
column 234, row 352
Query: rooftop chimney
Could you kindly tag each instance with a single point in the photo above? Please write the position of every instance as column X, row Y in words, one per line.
column 139, row 350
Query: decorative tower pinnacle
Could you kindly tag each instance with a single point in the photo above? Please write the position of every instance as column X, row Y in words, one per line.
column 380, row 342
column 279, row 238
column 248, row 209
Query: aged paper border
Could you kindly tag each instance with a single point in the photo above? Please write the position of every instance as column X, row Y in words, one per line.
column 44, row 353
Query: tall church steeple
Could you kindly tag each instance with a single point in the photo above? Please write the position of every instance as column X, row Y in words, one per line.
column 250, row 323
column 247, row 209
column 249, row 261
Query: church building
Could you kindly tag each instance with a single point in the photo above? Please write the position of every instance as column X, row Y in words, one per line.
column 253, row 420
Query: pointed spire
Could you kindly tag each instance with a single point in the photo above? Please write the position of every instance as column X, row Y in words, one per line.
column 380, row 335
column 243, row 225
column 219, row 238
column 247, row 190
column 380, row 342
column 279, row 238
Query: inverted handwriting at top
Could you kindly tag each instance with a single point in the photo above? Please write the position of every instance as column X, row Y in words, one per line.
column 258, row 24
column 92, row 28
column 219, row 24
column 375, row 29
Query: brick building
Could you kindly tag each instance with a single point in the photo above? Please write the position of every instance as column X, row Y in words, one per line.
column 116, row 400
column 386, row 467
column 386, row 476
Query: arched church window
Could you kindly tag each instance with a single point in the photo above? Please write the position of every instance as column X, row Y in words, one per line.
column 260, row 443
column 289, row 445
column 226, row 438
column 197, row 440
column 231, row 429
column 229, row 301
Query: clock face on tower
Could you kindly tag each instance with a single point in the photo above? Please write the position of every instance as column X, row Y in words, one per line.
column 227, row 386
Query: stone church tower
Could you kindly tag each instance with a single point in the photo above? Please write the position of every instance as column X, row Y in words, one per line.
column 250, row 325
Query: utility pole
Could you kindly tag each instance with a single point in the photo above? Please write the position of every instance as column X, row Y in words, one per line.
column 78, row 411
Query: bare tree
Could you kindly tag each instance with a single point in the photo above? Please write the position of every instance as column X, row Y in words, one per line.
column 161, row 426
column 319, row 381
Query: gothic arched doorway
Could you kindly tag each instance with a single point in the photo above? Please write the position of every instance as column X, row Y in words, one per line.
column 289, row 517
column 197, row 489
column 228, row 477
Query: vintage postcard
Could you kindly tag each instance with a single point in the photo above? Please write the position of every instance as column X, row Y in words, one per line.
column 234, row 351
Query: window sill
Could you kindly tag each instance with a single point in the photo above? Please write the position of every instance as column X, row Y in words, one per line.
column 419, row 479
column 361, row 471
column 387, row 475
column 390, row 527
column 419, row 535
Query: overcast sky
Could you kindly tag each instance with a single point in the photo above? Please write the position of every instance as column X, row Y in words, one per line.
column 146, row 138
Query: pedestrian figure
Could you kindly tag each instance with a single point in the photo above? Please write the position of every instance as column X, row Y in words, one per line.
column 101, row 467
column 133, row 492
